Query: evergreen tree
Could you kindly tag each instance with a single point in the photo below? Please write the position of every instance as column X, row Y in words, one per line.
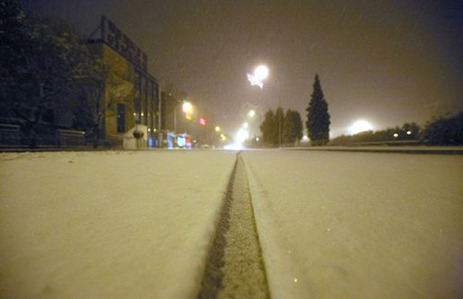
column 279, row 115
column 269, row 128
column 318, row 118
column 292, row 127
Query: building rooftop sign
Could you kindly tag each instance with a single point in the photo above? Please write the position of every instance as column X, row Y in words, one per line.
column 117, row 40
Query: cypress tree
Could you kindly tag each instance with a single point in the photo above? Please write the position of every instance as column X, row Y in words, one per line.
column 318, row 118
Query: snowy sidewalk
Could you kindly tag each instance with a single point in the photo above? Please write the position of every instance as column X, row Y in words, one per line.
column 108, row 224
column 358, row 225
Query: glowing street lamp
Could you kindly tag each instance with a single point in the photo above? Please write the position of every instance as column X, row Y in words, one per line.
column 260, row 74
column 252, row 113
column 217, row 129
column 187, row 108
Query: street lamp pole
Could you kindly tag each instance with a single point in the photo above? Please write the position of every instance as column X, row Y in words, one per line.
column 175, row 118
column 280, row 119
column 260, row 74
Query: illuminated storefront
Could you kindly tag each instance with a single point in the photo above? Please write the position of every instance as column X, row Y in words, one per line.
column 178, row 141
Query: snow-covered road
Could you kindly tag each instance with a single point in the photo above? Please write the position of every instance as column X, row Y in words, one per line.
column 140, row 224
column 108, row 224
column 359, row 225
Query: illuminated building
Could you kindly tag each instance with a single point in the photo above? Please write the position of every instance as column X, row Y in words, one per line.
column 131, row 94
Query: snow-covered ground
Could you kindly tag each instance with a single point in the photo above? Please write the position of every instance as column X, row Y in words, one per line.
column 139, row 224
column 359, row 225
column 108, row 224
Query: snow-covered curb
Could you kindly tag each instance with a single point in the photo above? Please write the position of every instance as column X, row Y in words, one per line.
column 280, row 273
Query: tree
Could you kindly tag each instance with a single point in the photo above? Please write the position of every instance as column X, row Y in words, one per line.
column 410, row 131
column 269, row 128
column 46, row 68
column 292, row 127
column 88, row 104
column 280, row 115
column 318, row 118
column 445, row 131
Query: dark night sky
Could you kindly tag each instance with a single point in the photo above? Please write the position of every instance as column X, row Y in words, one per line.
column 388, row 62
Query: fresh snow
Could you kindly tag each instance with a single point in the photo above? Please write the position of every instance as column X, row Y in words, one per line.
column 359, row 225
column 108, row 224
column 140, row 223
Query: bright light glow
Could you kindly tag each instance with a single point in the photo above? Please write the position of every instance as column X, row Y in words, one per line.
column 409, row 132
column 234, row 146
column 242, row 135
column 217, row 129
column 181, row 141
column 257, row 139
column 395, row 135
column 360, row 126
column 261, row 72
column 252, row 113
column 202, row 121
column 187, row 108
column 254, row 81
column 245, row 125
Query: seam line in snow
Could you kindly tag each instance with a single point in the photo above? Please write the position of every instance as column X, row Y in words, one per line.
column 235, row 267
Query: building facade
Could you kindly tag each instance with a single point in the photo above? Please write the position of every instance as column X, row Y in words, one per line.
column 131, row 95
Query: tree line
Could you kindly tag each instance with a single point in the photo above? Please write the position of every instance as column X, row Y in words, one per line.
column 442, row 130
column 279, row 128
column 446, row 130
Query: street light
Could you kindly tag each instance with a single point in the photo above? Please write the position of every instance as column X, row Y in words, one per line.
column 187, row 108
column 252, row 113
column 260, row 74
